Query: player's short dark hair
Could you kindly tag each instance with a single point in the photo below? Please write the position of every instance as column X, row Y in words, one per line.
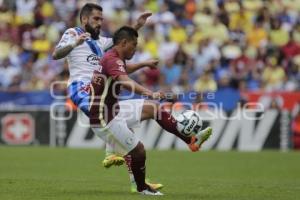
column 124, row 32
column 88, row 8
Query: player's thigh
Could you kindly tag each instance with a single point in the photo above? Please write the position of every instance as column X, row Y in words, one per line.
column 118, row 136
column 80, row 96
column 149, row 110
column 131, row 111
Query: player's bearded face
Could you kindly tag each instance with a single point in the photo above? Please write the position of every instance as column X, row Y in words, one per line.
column 94, row 31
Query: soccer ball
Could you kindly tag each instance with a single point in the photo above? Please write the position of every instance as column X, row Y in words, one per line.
column 189, row 123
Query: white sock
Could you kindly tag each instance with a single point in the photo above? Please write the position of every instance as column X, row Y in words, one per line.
column 108, row 150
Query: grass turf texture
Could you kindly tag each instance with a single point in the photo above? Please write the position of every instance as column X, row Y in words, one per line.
column 59, row 173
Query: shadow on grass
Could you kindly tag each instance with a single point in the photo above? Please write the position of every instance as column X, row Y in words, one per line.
column 93, row 192
column 121, row 194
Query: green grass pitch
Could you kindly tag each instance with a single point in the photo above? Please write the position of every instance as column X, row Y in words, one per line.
column 36, row 173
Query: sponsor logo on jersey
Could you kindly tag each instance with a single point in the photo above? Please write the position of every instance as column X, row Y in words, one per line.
column 121, row 64
column 93, row 59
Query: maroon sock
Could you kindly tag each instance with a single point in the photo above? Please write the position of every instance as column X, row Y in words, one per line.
column 139, row 170
column 167, row 122
column 138, row 167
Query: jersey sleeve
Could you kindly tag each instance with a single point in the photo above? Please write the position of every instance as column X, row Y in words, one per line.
column 114, row 67
column 69, row 37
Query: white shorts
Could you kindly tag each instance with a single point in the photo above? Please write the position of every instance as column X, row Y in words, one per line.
column 131, row 111
column 118, row 134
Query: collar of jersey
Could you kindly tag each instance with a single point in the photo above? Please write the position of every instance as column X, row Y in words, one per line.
column 92, row 43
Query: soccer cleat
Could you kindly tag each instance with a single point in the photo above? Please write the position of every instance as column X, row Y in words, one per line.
column 150, row 191
column 198, row 139
column 154, row 186
column 113, row 160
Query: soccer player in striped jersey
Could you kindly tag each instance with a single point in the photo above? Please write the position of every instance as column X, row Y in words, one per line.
column 113, row 124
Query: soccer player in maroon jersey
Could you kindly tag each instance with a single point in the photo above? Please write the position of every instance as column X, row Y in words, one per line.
column 112, row 119
column 84, row 47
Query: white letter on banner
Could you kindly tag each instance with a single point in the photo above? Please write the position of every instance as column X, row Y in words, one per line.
column 250, row 139
column 79, row 132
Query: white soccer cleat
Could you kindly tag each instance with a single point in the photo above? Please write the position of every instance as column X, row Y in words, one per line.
column 154, row 186
column 151, row 192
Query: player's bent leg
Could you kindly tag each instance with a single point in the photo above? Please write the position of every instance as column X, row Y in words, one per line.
column 153, row 110
column 169, row 123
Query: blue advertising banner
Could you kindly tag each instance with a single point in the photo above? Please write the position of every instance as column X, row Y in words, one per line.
column 42, row 98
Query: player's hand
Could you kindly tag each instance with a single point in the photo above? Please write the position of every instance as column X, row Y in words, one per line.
column 171, row 97
column 142, row 19
column 152, row 63
column 82, row 38
column 158, row 95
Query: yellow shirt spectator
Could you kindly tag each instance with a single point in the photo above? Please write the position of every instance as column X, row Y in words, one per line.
column 5, row 49
column 47, row 9
column 253, row 5
column 296, row 34
column 197, row 35
column 190, row 47
column 217, row 31
column 152, row 5
column 273, row 77
column 6, row 17
column 202, row 19
column 178, row 34
column 292, row 4
column 212, row 5
column 42, row 46
column 279, row 37
column 205, row 83
column 257, row 36
column 241, row 19
column 231, row 6
column 151, row 46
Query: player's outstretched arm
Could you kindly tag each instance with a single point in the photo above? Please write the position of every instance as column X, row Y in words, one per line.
column 61, row 52
column 133, row 86
column 152, row 63
column 142, row 20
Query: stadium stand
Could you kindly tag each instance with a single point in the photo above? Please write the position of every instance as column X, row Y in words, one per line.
column 234, row 48
column 238, row 50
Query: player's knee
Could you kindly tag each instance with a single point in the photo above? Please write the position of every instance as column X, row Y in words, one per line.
column 150, row 109
column 138, row 152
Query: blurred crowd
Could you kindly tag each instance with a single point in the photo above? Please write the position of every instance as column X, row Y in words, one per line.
column 202, row 45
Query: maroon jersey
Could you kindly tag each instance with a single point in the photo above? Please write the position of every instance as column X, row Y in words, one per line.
column 105, row 89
